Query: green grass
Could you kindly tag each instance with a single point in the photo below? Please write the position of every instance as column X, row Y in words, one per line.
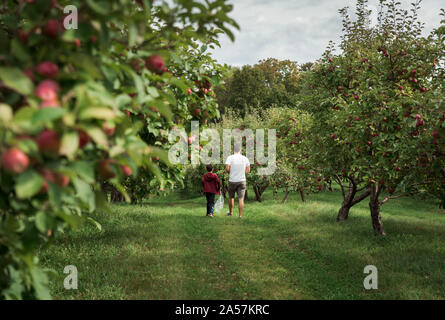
column 168, row 249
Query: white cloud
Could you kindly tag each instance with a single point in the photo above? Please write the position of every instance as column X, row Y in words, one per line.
column 298, row 30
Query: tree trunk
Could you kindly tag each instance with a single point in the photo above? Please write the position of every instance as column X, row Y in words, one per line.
column 374, row 206
column 343, row 213
column 116, row 196
column 257, row 194
column 350, row 198
column 285, row 196
column 303, row 198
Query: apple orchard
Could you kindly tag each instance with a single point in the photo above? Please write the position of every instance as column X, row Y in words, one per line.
column 85, row 114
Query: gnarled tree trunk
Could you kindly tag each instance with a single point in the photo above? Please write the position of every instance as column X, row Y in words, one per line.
column 350, row 198
column 259, row 190
column 303, row 198
column 285, row 196
column 343, row 213
column 374, row 206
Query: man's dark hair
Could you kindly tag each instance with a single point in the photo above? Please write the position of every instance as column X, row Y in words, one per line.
column 237, row 148
column 209, row 168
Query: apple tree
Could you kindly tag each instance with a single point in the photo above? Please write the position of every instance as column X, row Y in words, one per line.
column 380, row 106
column 70, row 105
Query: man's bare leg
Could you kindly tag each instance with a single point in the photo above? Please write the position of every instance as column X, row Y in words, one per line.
column 241, row 206
column 231, row 204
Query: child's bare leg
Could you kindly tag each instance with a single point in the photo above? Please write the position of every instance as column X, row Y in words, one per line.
column 231, row 204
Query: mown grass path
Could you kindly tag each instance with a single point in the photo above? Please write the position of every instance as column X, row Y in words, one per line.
column 168, row 249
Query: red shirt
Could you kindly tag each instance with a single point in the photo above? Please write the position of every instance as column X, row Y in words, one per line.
column 210, row 183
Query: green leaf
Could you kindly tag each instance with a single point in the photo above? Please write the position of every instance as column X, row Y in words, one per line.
column 102, row 113
column 28, row 184
column 98, row 136
column 19, row 51
column 152, row 91
column 40, row 284
column 179, row 83
column 95, row 223
column 87, row 64
column 55, row 194
column 132, row 34
column 23, row 119
column 28, row 146
column 100, row 6
column 15, row 79
column 47, row 115
column 163, row 108
column 85, row 193
column 6, row 114
column 44, row 221
column 122, row 100
column 69, row 144
column 85, row 170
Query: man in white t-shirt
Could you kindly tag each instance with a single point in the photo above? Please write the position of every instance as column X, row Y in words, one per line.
column 237, row 166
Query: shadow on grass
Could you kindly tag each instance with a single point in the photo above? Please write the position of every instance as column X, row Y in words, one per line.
column 182, row 255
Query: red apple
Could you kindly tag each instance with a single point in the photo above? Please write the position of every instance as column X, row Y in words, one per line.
column 53, row 29
column 48, row 142
column 47, row 69
column 84, row 138
column 155, row 64
column 197, row 112
column 47, row 90
column 126, row 170
column 15, row 161
column 23, row 36
column 50, row 104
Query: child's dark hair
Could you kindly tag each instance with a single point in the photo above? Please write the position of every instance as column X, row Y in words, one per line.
column 209, row 168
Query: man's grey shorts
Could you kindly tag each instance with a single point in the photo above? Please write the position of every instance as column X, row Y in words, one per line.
column 238, row 187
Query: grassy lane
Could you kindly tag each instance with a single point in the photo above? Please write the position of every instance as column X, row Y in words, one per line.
column 168, row 249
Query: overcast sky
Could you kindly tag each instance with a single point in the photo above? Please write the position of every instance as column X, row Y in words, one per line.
column 298, row 30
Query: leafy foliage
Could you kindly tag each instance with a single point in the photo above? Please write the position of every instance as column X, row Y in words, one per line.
column 88, row 105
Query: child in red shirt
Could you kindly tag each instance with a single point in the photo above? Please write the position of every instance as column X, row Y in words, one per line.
column 211, row 186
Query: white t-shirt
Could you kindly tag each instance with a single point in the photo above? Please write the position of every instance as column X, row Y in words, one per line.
column 238, row 164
